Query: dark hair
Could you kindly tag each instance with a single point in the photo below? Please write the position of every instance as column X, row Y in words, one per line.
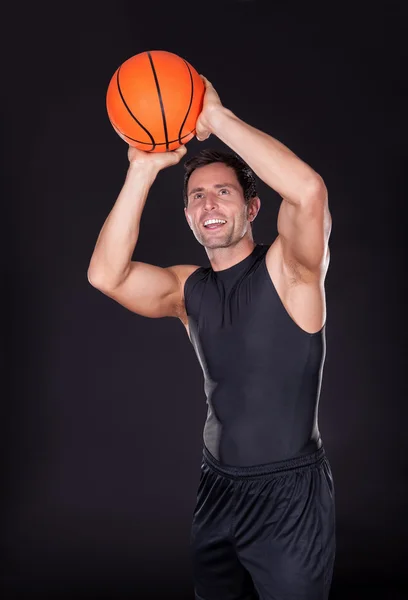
column 244, row 173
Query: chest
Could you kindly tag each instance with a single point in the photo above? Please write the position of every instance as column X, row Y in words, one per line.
column 241, row 320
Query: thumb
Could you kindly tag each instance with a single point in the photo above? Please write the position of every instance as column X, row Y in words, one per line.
column 202, row 132
column 206, row 81
column 178, row 153
column 202, row 135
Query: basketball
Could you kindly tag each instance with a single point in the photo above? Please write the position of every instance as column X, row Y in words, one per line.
column 154, row 99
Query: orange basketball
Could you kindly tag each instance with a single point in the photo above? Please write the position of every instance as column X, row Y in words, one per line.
column 154, row 99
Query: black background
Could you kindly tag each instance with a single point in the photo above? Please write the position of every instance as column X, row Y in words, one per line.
column 103, row 410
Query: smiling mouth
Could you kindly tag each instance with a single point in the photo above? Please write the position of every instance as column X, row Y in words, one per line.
column 213, row 227
column 214, row 224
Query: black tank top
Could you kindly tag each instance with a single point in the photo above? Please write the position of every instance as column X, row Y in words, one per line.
column 262, row 372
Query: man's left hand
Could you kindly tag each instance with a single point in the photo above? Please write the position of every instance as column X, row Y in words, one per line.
column 211, row 104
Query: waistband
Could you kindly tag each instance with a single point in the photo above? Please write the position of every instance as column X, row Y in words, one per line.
column 280, row 467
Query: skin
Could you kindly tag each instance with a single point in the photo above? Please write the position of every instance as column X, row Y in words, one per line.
column 208, row 200
column 297, row 260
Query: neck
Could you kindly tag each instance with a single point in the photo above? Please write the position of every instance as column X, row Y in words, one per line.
column 224, row 258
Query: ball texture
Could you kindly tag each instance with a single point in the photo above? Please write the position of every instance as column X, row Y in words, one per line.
column 154, row 99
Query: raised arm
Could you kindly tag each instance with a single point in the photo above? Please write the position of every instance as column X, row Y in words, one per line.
column 304, row 221
column 148, row 290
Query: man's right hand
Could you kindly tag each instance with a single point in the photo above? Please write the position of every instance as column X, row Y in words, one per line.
column 158, row 160
column 145, row 289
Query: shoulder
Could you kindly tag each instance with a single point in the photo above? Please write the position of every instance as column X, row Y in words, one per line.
column 183, row 272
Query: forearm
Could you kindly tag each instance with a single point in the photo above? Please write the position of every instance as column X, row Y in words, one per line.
column 118, row 237
column 271, row 160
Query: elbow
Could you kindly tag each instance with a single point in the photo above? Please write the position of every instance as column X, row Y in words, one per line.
column 95, row 279
column 311, row 193
column 102, row 281
column 98, row 280
column 316, row 190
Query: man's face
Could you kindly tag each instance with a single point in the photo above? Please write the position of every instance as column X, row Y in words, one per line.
column 214, row 193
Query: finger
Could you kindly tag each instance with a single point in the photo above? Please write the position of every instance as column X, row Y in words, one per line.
column 206, row 81
column 202, row 136
column 181, row 150
column 201, row 133
column 178, row 153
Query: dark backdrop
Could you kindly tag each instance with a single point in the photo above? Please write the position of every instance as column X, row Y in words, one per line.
column 103, row 410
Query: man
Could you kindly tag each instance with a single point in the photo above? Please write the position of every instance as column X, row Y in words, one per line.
column 264, row 522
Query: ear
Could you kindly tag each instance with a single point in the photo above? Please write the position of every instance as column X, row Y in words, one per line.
column 188, row 218
column 253, row 208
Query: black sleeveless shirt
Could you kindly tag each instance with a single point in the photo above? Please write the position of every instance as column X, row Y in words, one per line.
column 262, row 372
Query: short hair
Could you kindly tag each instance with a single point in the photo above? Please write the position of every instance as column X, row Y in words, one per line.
column 244, row 173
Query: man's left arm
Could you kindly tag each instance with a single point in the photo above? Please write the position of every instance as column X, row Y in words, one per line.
column 304, row 220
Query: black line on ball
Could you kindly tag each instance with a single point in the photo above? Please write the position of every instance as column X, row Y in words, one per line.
column 160, row 100
column 156, row 143
column 191, row 100
column 131, row 114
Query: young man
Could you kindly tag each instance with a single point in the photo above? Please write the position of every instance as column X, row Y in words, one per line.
column 264, row 522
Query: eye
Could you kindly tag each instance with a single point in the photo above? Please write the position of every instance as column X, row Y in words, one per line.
column 197, row 196
column 225, row 190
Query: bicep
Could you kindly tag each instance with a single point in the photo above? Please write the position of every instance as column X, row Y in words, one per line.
column 304, row 230
column 150, row 291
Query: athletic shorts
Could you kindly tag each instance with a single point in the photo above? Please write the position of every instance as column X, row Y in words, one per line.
column 265, row 532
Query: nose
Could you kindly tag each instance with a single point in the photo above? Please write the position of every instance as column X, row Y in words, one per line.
column 210, row 201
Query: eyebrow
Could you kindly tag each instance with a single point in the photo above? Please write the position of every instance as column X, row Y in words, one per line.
column 216, row 185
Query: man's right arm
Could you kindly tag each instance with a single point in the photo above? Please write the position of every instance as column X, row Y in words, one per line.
column 148, row 290
column 151, row 291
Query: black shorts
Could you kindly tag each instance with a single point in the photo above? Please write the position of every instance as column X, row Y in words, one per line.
column 264, row 532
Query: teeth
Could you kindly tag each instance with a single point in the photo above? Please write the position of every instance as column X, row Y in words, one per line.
column 212, row 221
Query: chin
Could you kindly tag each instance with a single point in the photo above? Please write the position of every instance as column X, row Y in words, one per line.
column 212, row 243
